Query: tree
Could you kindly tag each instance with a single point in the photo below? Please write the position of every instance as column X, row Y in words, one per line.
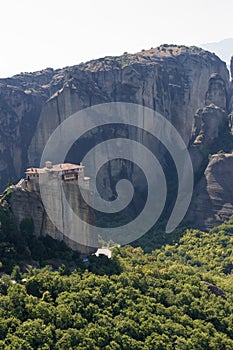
column 16, row 274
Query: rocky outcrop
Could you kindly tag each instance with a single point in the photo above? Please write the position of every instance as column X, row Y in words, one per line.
column 231, row 67
column 212, row 201
column 172, row 80
column 19, row 113
column 215, row 290
column 231, row 92
column 209, row 122
column 28, row 205
column 177, row 81
column 217, row 92
column 21, row 101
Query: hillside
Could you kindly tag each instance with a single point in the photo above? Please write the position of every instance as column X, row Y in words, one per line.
column 178, row 297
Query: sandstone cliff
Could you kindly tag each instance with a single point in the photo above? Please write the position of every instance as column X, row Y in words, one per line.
column 212, row 202
column 189, row 86
column 172, row 80
column 210, row 123
column 231, row 92
column 21, row 100
column 27, row 204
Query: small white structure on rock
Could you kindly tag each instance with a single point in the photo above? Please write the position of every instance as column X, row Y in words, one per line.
column 104, row 251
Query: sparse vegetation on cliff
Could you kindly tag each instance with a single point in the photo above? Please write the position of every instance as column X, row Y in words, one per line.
column 142, row 56
column 21, row 247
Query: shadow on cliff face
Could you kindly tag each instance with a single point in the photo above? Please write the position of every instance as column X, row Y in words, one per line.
column 212, row 202
column 115, row 170
column 197, row 212
column 19, row 114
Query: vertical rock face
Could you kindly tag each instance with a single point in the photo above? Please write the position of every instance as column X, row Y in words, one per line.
column 212, row 202
column 188, row 86
column 171, row 80
column 19, row 113
column 217, row 92
column 211, row 120
column 28, row 204
column 231, row 67
column 21, row 101
column 208, row 124
column 231, row 88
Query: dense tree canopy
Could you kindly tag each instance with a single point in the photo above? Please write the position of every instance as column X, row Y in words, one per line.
column 177, row 297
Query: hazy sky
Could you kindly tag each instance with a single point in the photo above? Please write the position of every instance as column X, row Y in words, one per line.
column 48, row 33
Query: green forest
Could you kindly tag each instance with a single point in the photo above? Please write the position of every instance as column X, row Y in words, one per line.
column 178, row 296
